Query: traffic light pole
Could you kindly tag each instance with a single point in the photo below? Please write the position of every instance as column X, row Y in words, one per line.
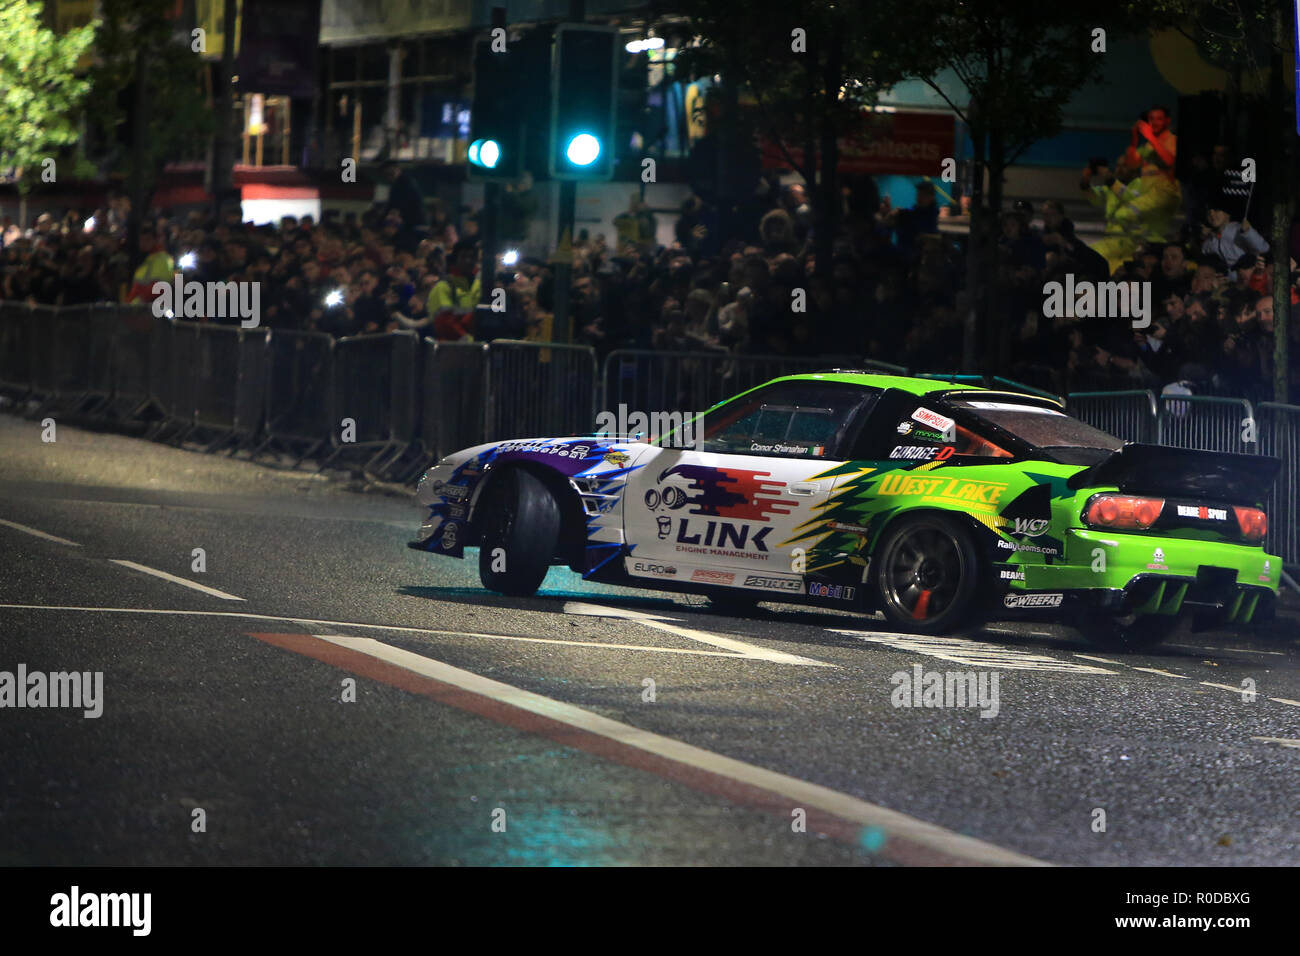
column 563, row 258
column 488, row 229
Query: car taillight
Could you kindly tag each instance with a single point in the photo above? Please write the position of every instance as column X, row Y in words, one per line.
column 1253, row 523
column 1123, row 511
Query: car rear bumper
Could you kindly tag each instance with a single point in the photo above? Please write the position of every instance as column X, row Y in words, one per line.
column 1221, row 583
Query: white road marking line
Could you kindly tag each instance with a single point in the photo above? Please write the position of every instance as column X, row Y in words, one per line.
column 1229, row 687
column 619, row 647
column 39, row 534
column 1284, row 741
column 1156, row 670
column 175, row 580
column 1102, row 660
column 1235, row 650
column 972, row 653
column 659, row 623
column 361, row 519
column 313, row 622
column 799, row 792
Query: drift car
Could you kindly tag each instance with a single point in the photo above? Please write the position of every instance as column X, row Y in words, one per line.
column 939, row 505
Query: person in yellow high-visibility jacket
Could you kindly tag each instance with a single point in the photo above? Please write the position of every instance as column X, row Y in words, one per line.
column 453, row 297
column 157, row 266
column 1141, row 204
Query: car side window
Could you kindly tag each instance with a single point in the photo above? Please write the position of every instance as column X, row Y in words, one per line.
column 789, row 420
column 907, row 429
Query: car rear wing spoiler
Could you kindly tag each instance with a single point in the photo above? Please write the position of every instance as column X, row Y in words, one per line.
column 1183, row 473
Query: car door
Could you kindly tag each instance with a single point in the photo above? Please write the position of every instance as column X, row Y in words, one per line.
column 732, row 508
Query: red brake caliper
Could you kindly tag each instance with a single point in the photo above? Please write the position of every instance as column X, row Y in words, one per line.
column 922, row 609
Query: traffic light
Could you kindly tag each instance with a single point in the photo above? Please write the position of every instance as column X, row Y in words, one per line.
column 507, row 120
column 584, row 91
column 496, row 147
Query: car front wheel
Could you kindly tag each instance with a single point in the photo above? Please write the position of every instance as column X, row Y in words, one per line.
column 519, row 535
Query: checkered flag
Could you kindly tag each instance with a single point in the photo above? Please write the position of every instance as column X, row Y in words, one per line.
column 1235, row 195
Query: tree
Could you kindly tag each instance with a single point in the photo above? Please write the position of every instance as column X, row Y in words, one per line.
column 1018, row 64
column 148, row 106
column 40, row 91
column 811, row 69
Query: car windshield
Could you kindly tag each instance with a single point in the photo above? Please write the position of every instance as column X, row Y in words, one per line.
column 1066, row 439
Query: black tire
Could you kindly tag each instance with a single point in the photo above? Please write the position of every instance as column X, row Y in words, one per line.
column 927, row 574
column 1132, row 632
column 522, row 518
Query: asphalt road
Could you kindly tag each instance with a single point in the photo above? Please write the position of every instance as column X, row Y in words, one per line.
column 335, row 698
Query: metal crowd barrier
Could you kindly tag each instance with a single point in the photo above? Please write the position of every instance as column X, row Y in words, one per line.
column 1127, row 415
column 175, row 386
column 453, row 397
column 230, row 382
column 70, row 359
column 1278, row 430
column 16, row 347
column 299, row 378
column 87, row 359
column 374, row 387
column 1214, row 424
column 486, row 391
column 1206, row 422
column 534, row 390
column 129, row 368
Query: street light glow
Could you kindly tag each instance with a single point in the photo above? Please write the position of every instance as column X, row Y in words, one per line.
column 641, row 46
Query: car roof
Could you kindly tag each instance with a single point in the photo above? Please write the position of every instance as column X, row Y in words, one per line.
column 906, row 383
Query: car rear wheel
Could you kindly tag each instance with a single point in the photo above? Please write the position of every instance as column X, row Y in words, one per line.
column 1131, row 632
column 519, row 535
column 927, row 574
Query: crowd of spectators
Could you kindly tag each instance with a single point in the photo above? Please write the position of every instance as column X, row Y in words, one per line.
column 893, row 291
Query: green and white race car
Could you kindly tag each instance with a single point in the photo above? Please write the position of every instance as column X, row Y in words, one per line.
column 938, row 505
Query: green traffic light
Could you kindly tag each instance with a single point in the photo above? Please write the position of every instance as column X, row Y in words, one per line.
column 485, row 153
column 582, row 149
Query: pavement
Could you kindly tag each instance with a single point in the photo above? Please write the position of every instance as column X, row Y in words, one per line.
column 284, row 682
